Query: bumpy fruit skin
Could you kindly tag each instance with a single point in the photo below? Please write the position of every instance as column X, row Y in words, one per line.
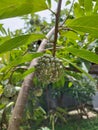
column 9, row 90
column 49, row 69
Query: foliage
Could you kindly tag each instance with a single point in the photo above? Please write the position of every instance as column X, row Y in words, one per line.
column 81, row 124
column 85, row 26
column 75, row 123
column 20, row 40
column 19, row 8
column 82, row 89
column 76, row 46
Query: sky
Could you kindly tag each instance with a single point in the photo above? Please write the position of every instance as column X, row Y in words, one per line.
column 18, row 23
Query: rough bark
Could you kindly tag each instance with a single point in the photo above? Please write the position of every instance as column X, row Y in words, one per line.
column 57, row 17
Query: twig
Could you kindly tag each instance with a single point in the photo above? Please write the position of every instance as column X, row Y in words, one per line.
column 68, row 13
column 56, row 26
column 57, row 48
column 67, row 29
column 52, row 11
column 14, row 69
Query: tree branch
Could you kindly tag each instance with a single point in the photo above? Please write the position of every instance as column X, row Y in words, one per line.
column 56, row 26
column 24, row 92
column 52, row 11
column 68, row 12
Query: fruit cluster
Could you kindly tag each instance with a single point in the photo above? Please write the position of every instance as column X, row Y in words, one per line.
column 9, row 90
column 49, row 69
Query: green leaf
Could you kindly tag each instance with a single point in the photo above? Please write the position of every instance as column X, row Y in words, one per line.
column 68, row 2
column 85, row 54
column 96, row 7
column 1, row 26
column 13, row 8
column 25, row 58
column 78, row 11
column 81, row 2
column 70, row 84
column 1, row 90
column 49, row 3
column 3, row 30
column 10, row 104
column 86, row 24
column 2, row 106
column 88, row 6
column 17, row 77
column 73, row 64
column 28, row 72
column 71, row 35
column 19, row 41
column 20, row 60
